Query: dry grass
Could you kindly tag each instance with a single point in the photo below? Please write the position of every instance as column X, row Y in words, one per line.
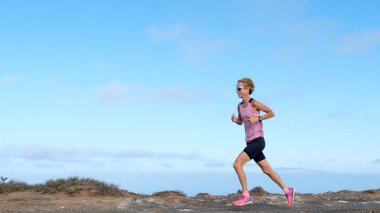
column 14, row 186
column 78, row 186
column 373, row 191
column 71, row 186
column 169, row 194
column 203, row 195
column 258, row 191
column 75, row 186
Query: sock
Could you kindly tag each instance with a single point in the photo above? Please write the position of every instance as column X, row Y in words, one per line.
column 286, row 190
column 246, row 194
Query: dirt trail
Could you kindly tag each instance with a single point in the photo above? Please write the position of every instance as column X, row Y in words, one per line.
column 85, row 200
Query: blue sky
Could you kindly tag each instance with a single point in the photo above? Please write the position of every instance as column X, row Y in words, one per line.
column 127, row 90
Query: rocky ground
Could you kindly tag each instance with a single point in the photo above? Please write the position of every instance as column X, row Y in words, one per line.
column 84, row 201
column 82, row 196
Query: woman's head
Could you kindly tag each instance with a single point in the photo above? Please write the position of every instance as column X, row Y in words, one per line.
column 246, row 83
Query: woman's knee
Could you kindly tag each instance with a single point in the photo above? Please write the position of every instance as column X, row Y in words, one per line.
column 267, row 170
column 241, row 160
column 237, row 165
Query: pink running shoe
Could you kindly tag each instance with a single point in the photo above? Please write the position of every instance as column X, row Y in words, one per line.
column 243, row 200
column 290, row 196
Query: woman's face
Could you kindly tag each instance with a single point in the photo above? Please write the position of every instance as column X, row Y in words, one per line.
column 241, row 90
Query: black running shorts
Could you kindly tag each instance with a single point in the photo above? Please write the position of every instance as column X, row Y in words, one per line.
column 254, row 149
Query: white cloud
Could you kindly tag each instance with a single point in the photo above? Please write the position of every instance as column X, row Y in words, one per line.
column 176, row 94
column 51, row 152
column 173, row 32
column 115, row 92
column 300, row 38
column 297, row 169
column 7, row 80
column 278, row 8
column 360, row 42
column 214, row 163
column 148, row 154
column 196, row 51
column 286, row 53
column 339, row 115
column 191, row 48
column 64, row 155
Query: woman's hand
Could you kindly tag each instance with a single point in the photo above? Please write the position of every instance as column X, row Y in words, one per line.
column 233, row 118
column 253, row 119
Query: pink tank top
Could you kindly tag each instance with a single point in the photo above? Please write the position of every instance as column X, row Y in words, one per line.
column 252, row 131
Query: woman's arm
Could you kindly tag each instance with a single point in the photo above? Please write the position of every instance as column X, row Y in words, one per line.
column 268, row 112
column 237, row 120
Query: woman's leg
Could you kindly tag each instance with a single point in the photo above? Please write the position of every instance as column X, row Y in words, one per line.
column 289, row 192
column 240, row 161
column 267, row 169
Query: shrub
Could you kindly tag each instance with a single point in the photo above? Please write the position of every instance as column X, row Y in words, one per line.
column 14, row 186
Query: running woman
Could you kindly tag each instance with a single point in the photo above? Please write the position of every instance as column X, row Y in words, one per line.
column 249, row 114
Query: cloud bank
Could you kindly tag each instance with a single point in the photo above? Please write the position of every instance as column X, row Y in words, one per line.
column 72, row 156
